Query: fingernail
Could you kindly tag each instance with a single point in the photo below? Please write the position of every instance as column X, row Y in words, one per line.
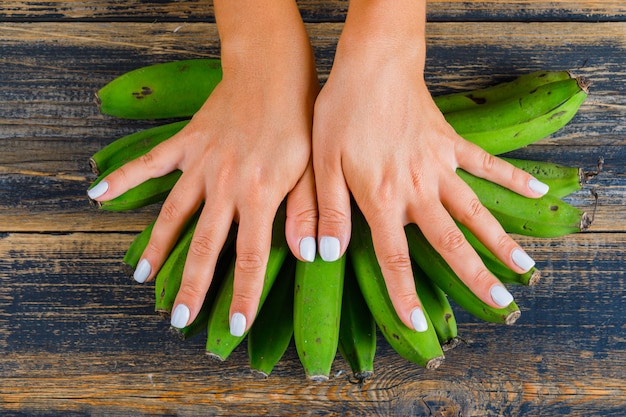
column 180, row 317
column 418, row 320
column 501, row 296
column 538, row 186
column 98, row 190
column 308, row 248
column 143, row 271
column 521, row 259
column 237, row 324
column 329, row 248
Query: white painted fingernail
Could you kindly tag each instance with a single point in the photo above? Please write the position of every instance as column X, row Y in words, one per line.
column 143, row 271
column 330, row 248
column 418, row 320
column 521, row 259
column 180, row 317
column 538, row 186
column 501, row 296
column 98, row 190
column 308, row 248
column 237, row 324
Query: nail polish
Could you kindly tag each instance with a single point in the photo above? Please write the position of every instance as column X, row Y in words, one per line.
column 538, row 186
column 308, row 248
column 98, row 190
column 180, row 317
column 501, row 296
column 143, row 271
column 329, row 248
column 237, row 324
column 418, row 320
column 521, row 259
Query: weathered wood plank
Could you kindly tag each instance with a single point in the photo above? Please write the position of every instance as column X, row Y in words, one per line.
column 49, row 124
column 79, row 338
column 312, row 10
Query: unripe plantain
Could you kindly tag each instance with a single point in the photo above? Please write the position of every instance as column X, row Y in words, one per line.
column 562, row 180
column 436, row 304
column 433, row 264
column 546, row 216
column 316, row 314
column 357, row 329
column 167, row 90
column 130, row 147
column 486, row 96
column 517, row 135
column 272, row 330
column 422, row 348
column 515, row 109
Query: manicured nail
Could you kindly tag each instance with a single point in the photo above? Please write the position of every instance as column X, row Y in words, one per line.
column 521, row 259
column 237, row 324
column 538, row 186
column 329, row 248
column 418, row 320
column 501, row 296
column 143, row 271
column 308, row 248
column 180, row 317
column 98, row 190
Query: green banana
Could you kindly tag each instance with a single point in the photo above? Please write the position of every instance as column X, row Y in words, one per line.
column 357, row 329
column 562, row 180
column 316, row 314
column 433, row 264
column 137, row 247
column 220, row 342
column 272, row 331
column 166, row 90
column 149, row 192
column 515, row 109
column 515, row 136
column 436, row 304
column 129, row 147
column 496, row 266
column 421, row 348
column 546, row 216
column 485, row 96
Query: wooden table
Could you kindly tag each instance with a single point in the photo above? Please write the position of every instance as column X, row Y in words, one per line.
column 78, row 337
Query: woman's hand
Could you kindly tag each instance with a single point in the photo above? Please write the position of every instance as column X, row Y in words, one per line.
column 241, row 154
column 378, row 135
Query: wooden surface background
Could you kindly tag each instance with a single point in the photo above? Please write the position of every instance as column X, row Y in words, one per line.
column 77, row 337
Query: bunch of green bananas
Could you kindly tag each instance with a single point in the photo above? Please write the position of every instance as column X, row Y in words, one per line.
column 329, row 307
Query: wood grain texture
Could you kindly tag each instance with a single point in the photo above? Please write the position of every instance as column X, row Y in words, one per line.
column 50, row 124
column 312, row 10
column 80, row 338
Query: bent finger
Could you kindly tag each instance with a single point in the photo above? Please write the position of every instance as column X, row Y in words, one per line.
column 301, row 223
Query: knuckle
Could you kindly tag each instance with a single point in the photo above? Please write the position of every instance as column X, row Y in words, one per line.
column 203, row 246
column 451, row 240
column 148, row 160
column 488, row 162
column 169, row 211
column 250, row 263
column 331, row 217
column 397, row 262
column 479, row 279
column 474, row 209
column 190, row 291
column 504, row 241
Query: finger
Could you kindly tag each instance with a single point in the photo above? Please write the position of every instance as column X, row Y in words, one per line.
column 301, row 224
column 476, row 161
column 208, row 240
column 333, row 203
column 392, row 253
column 463, row 204
column 443, row 234
column 182, row 202
column 159, row 161
column 254, row 239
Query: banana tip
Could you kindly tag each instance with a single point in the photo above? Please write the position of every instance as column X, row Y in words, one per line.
column 215, row 356
column 435, row 363
column 93, row 165
column 534, row 277
column 317, row 378
column 259, row 374
column 585, row 221
column 512, row 318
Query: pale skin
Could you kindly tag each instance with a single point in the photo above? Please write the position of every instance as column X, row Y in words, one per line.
column 373, row 132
